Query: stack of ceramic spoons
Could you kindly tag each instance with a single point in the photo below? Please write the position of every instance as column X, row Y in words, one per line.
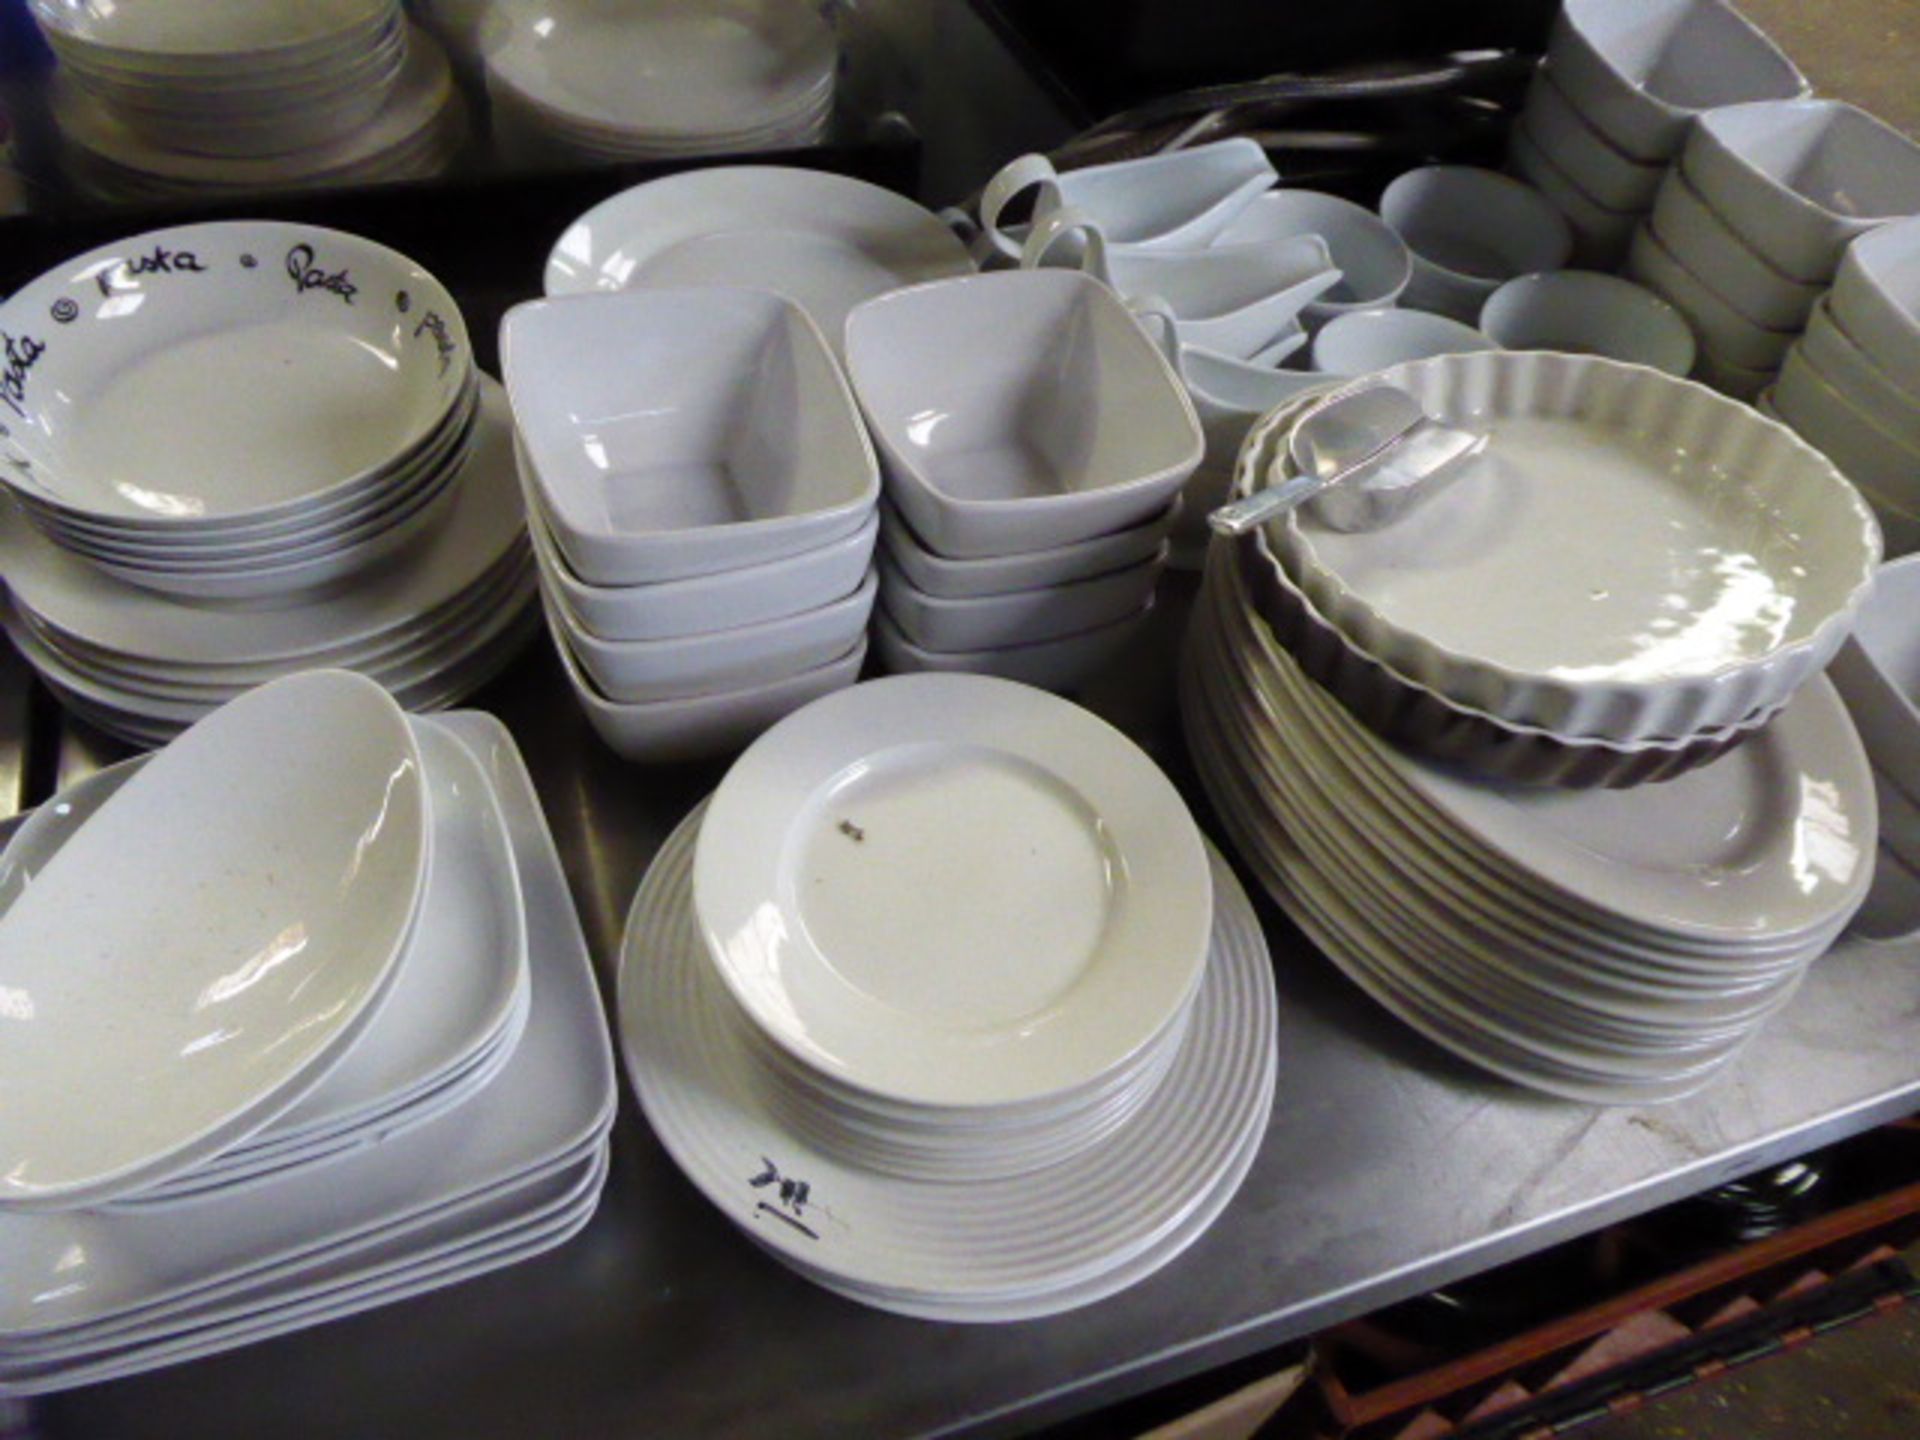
column 415, row 1091
column 1023, row 973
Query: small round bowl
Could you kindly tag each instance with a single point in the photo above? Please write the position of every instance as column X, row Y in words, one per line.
column 1373, row 261
column 1583, row 312
column 1469, row 230
column 1798, row 179
column 1371, row 340
column 1876, row 295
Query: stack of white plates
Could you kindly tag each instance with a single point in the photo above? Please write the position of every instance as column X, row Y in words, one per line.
column 941, row 953
column 410, row 1087
column 170, row 99
column 274, row 417
column 701, row 494
column 1607, row 946
column 658, row 82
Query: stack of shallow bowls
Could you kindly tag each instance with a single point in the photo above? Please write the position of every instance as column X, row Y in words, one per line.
column 703, row 500
column 1622, row 83
column 1878, row 674
column 1748, row 230
column 659, row 82
column 1625, row 648
column 158, row 100
column 409, row 1086
column 1851, row 384
column 1034, row 441
column 941, row 952
column 251, row 414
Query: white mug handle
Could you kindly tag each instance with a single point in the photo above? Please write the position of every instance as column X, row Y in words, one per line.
column 1014, row 178
column 1155, row 316
column 1047, row 231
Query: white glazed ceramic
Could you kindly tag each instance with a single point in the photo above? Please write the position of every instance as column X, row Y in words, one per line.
column 997, row 1250
column 664, row 76
column 1583, row 312
column 1372, row 340
column 1869, row 454
column 1372, row 260
column 1614, row 179
column 205, row 372
column 1876, row 295
column 1178, row 200
column 635, row 671
column 1893, row 401
column 240, row 922
column 1740, row 382
column 1469, row 230
column 985, row 622
column 210, row 33
column 824, row 241
column 1641, row 70
column 1600, row 235
column 1878, row 672
column 1234, row 299
column 693, row 727
column 676, row 433
column 1709, row 565
column 1799, row 179
column 939, row 576
column 916, row 954
column 1724, row 334
column 705, row 604
column 1019, row 411
column 1059, row 665
column 1705, row 243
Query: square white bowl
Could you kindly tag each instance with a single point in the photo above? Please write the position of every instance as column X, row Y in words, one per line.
column 1800, row 178
column 1640, row 70
column 1705, row 241
column 1810, row 401
column 1023, row 617
column 1724, row 333
column 1019, row 411
column 1876, row 295
column 1600, row 235
column 1061, row 664
column 1888, row 398
column 675, row 433
column 1611, row 177
column 1002, row 574
column 704, row 604
column 639, row 671
column 701, row 726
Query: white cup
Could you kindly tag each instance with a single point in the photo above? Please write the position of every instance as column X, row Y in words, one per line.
column 1371, row 340
column 1182, row 198
column 1234, row 299
column 1584, row 312
column 1470, row 231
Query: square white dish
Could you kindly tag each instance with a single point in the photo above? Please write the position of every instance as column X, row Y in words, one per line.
column 1876, row 295
column 1020, row 617
column 1705, row 241
column 1019, row 411
column 1001, row 574
column 1059, row 665
column 674, row 433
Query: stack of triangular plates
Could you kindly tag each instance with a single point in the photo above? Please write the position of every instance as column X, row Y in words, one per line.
column 462, row 1128
column 1609, row 946
column 993, row 965
column 685, row 78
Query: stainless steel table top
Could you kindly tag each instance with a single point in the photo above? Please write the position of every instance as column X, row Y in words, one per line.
column 1390, row 1168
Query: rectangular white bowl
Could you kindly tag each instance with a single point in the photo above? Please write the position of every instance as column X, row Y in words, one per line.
column 986, row 622
column 1059, row 665
column 1703, row 240
column 1612, row 178
column 1002, row 574
column 1723, row 331
column 638, row 671
column 1019, row 411
column 674, row 433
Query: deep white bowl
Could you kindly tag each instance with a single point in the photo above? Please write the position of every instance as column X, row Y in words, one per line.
column 1002, row 574
column 1600, row 235
column 674, row 433
column 1019, row 411
column 1799, row 179
column 1701, row 239
column 1583, row 312
column 1613, row 178
column 1891, row 400
column 1059, row 665
column 1641, row 70
column 1876, row 295
column 1721, row 329
column 1470, row 230
column 1871, row 456
column 1020, row 617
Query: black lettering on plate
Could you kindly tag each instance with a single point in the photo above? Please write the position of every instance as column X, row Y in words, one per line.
column 18, row 355
column 157, row 261
column 307, row 275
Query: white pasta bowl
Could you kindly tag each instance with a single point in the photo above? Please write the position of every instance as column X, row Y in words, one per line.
column 1019, row 411
column 193, row 380
column 1632, row 557
column 210, row 942
column 675, row 433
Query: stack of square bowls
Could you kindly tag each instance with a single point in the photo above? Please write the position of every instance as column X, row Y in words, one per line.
column 702, row 499
column 1035, row 442
column 1851, row 384
column 1750, row 226
column 1612, row 105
